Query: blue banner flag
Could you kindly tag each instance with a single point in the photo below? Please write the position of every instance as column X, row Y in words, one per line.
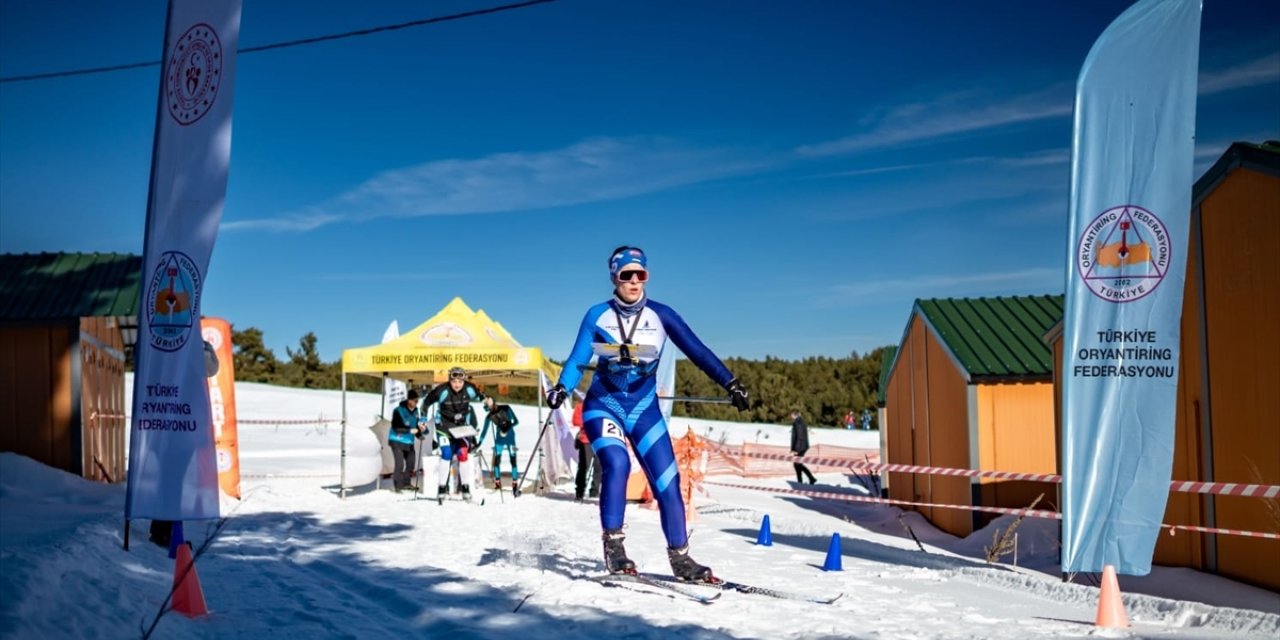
column 173, row 470
column 1131, row 164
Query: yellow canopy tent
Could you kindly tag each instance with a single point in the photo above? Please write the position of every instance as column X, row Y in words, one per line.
column 456, row 336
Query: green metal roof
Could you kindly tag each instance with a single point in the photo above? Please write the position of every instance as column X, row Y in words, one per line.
column 886, row 366
column 60, row 286
column 996, row 337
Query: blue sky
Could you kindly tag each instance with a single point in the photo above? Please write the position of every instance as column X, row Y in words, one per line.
column 798, row 172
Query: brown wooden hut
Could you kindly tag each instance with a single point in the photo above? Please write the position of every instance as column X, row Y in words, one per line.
column 66, row 320
column 970, row 387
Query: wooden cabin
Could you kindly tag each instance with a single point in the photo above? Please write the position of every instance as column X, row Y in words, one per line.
column 882, row 411
column 66, row 320
column 971, row 387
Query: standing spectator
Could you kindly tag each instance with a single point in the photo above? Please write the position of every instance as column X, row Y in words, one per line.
column 587, row 460
column 799, row 445
column 504, row 422
column 866, row 419
column 404, row 428
column 849, row 420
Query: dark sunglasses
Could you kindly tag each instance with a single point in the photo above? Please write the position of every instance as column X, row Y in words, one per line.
column 638, row 275
column 457, row 376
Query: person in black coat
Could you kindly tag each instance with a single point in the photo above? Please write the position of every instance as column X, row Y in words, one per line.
column 799, row 445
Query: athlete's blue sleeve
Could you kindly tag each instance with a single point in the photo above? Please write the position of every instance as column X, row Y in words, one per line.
column 485, row 430
column 690, row 345
column 571, row 374
column 433, row 400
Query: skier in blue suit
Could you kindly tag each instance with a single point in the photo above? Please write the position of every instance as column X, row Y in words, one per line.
column 626, row 335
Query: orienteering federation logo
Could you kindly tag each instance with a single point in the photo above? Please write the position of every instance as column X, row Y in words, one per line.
column 446, row 334
column 1123, row 254
column 172, row 301
column 194, row 74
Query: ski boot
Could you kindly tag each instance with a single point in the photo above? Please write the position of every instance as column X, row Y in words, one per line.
column 441, row 492
column 515, row 489
column 685, row 568
column 615, row 555
column 466, row 493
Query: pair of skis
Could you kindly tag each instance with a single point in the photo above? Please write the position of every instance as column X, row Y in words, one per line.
column 697, row 591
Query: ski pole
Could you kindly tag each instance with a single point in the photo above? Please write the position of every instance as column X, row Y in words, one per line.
column 696, row 399
column 525, row 476
column 497, row 482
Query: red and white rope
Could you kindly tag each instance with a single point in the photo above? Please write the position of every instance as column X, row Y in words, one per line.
column 1034, row 513
column 827, row 495
column 288, row 420
column 1177, row 486
column 1226, row 489
column 275, row 476
column 1174, row 528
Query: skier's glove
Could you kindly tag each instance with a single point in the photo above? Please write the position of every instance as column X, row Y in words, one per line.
column 556, row 396
column 738, row 395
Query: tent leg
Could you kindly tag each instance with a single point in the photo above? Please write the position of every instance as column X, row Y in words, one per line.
column 382, row 410
column 342, row 474
column 537, row 448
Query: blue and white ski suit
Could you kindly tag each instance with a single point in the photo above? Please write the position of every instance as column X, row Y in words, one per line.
column 622, row 402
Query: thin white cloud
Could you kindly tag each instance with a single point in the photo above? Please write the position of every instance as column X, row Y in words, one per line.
column 948, row 115
column 941, row 285
column 1044, row 158
column 1032, row 159
column 970, row 111
column 594, row 170
column 401, row 277
column 292, row 222
column 1264, row 70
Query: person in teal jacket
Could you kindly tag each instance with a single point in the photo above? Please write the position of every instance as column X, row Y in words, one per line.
column 404, row 428
column 504, row 422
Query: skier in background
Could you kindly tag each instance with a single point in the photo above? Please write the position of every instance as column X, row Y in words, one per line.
column 626, row 335
column 504, row 421
column 456, row 421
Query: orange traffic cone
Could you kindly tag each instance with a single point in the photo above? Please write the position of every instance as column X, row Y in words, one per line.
column 1111, row 613
column 188, row 597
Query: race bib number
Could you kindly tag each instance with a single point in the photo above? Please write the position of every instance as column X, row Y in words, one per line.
column 610, row 429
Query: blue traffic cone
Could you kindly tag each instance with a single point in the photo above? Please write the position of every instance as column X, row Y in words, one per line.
column 833, row 562
column 175, row 538
column 765, row 539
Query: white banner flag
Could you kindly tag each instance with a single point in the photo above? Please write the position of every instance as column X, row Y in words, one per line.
column 557, row 445
column 173, row 471
column 1133, row 150
column 393, row 391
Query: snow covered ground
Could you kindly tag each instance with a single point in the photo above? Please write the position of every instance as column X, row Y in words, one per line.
column 294, row 560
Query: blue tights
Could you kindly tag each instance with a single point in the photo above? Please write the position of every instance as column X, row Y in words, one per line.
column 607, row 422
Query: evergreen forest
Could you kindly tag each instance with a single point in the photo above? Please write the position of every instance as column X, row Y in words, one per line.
column 822, row 388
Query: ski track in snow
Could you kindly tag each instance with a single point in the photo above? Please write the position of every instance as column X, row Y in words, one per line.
column 295, row 561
